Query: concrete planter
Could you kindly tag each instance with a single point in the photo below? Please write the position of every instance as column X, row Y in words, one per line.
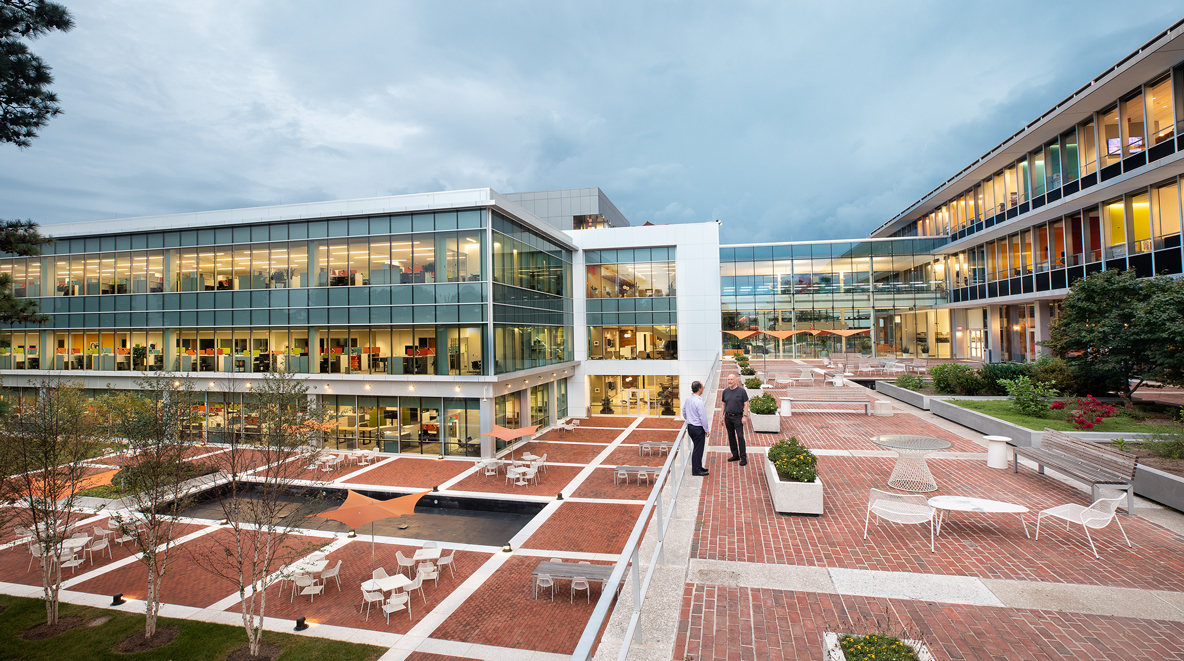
column 832, row 651
column 765, row 424
column 1163, row 488
column 793, row 497
column 753, row 392
column 985, row 424
column 904, row 394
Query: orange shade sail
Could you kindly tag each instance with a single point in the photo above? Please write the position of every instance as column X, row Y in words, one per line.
column 781, row 335
column 358, row 510
column 742, row 334
column 849, row 333
column 510, row 434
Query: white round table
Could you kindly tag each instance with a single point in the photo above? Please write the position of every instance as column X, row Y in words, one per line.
column 946, row 504
column 997, row 451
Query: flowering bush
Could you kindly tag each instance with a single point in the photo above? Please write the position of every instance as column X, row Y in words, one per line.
column 909, row 382
column 752, row 384
column 1058, row 405
column 794, row 462
column 747, row 371
column 763, row 404
column 1089, row 413
column 879, row 647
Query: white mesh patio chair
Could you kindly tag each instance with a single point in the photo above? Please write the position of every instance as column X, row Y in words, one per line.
column 427, row 571
column 446, row 561
column 416, row 584
column 1096, row 516
column 102, row 533
column 620, row 475
column 371, row 597
column 403, row 561
column 899, row 508
column 100, row 545
column 544, row 581
column 490, row 468
column 543, row 462
column 309, row 586
column 804, row 375
column 580, row 583
column 643, row 475
column 35, row 553
column 430, row 545
column 22, row 533
column 332, row 573
column 72, row 561
column 398, row 602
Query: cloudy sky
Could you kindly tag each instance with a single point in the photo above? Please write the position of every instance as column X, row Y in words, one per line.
column 787, row 120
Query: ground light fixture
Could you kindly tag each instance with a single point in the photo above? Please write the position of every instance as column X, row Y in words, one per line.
column 507, row 548
column 118, row 600
column 352, row 534
column 301, row 625
column 224, row 522
column 560, row 496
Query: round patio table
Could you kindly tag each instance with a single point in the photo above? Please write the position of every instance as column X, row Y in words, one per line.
column 911, row 472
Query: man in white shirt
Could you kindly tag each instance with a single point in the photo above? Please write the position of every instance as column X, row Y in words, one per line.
column 698, row 426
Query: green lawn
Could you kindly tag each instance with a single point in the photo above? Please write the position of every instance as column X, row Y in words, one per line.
column 196, row 641
column 1001, row 408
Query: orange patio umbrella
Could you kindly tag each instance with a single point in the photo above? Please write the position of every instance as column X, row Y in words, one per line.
column 358, row 510
column 508, row 435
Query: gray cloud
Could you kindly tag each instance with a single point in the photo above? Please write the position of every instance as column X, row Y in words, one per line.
column 789, row 121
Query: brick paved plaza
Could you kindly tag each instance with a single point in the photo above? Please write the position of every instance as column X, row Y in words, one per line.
column 753, row 584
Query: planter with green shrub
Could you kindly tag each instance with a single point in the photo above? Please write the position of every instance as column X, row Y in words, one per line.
column 791, row 473
column 762, row 411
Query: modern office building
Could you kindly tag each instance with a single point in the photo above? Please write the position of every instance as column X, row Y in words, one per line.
column 419, row 319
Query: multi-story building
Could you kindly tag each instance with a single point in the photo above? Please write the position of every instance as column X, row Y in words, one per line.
column 420, row 320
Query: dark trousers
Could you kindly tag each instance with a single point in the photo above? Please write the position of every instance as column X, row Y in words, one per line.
column 734, row 423
column 698, row 441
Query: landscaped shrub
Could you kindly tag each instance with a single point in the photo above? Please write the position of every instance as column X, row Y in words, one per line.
column 793, row 461
column 1167, row 444
column 1055, row 372
column 747, row 371
column 877, row 647
column 764, row 404
column 1029, row 397
column 752, row 383
column 949, row 378
column 993, row 373
column 909, row 382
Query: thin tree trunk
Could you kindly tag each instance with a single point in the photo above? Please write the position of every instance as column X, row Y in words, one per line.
column 151, row 605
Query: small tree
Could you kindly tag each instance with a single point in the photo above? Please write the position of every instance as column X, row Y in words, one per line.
column 264, row 459
column 154, row 421
column 1118, row 324
column 46, row 448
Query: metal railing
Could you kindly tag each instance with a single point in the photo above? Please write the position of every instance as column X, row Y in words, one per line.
column 630, row 556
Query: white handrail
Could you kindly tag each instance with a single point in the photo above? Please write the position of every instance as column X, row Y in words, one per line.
column 630, row 555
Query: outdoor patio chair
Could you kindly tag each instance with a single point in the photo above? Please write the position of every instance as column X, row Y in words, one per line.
column 125, row 537
column 72, row 561
column 371, row 597
column 430, row 545
column 427, row 571
column 416, row 584
column 643, row 475
column 544, row 581
column 103, row 532
column 543, row 462
column 620, row 475
column 1096, row 516
column 379, row 572
column 446, row 560
column 531, row 473
column 309, row 586
column 332, row 573
column 403, row 561
column 22, row 533
column 899, row 508
column 398, row 601
column 35, row 553
column 100, row 545
column 806, row 375
column 580, row 583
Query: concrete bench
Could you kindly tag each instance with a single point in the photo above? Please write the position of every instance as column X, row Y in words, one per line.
column 787, row 404
column 1090, row 463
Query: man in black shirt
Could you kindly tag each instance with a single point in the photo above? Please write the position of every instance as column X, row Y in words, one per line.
column 735, row 403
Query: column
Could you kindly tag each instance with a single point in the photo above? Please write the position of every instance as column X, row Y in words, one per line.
column 994, row 337
column 1042, row 322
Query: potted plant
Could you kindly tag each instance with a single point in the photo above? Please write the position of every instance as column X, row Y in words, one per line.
column 762, row 411
column 752, row 386
column 792, row 475
column 747, row 371
column 606, row 406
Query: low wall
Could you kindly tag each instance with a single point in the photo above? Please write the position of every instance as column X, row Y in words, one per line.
column 985, row 424
column 1163, row 488
column 904, row 394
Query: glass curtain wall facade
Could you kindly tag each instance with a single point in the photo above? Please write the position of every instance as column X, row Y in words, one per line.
column 632, row 301
column 532, row 304
column 885, row 287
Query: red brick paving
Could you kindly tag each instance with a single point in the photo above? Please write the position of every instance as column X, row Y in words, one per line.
column 738, row 523
column 186, row 583
column 748, row 623
column 661, row 423
column 424, row 656
column 841, row 431
column 620, row 422
column 626, row 455
column 582, row 435
column 563, row 453
column 648, row 435
column 341, row 607
column 600, row 485
column 551, row 481
column 502, row 612
column 414, row 473
column 587, row 528
column 14, row 562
